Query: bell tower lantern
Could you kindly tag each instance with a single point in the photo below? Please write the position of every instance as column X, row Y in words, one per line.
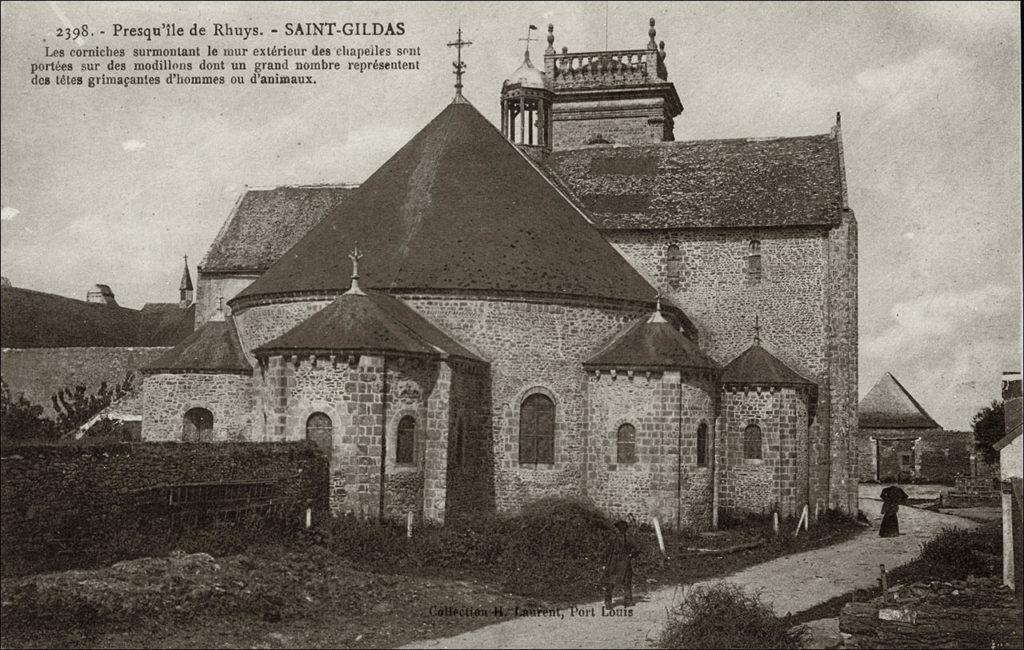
column 526, row 100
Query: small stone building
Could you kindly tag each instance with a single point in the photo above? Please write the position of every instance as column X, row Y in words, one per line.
column 1011, row 459
column 900, row 442
column 571, row 305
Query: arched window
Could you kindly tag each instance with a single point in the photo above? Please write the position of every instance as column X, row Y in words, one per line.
column 754, row 261
column 702, row 444
column 673, row 264
column 752, row 441
column 197, row 425
column 625, row 444
column 320, row 431
column 406, row 440
column 537, row 430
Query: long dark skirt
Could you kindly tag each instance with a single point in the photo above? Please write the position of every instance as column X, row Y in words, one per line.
column 890, row 525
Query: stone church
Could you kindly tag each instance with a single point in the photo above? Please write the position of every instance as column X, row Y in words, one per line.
column 573, row 304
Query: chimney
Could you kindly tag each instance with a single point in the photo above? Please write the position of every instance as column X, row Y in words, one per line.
column 101, row 293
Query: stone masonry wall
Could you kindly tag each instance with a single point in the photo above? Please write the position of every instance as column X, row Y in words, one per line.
column 166, row 397
column 577, row 124
column 38, row 373
column 75, row 499
column 842, row 340
column 939, row 456
column 210, row 287
column 780, row 476
column 665, row 412
column 262, row 323
column 470, row 469
column 532, row 347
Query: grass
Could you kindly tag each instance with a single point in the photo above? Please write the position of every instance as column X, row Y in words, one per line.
column 353, row 578
column 724, row 615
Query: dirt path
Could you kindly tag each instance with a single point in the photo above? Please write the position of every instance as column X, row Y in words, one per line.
column 791, row 584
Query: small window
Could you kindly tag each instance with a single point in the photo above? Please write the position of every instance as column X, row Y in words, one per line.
column 754, row 268
column 406, row 440
column 755, row 247
column 625, row 445
column 320, row 431
column 702, row 444
column 752, row 442
column 537, row 430
column 673, row 264
column 906, row 460
column 197, row 425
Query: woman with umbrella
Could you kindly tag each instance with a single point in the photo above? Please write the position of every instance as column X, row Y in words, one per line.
column 892, row 497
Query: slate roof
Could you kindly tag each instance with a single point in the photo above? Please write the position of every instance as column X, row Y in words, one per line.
column 457, row 208
column 757, row 366
column 367, row 323
column 706, row 183
column 214, row 347
column 267, row 222
column 888, row 405
column 34, row 319
column 651, row 344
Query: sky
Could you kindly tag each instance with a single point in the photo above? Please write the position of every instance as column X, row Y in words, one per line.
column 115, row 185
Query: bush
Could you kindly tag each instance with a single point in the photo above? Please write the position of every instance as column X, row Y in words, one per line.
column 956, row 553
column 723, row 615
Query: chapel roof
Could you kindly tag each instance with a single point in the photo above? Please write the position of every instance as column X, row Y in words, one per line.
column 457, row 208
column 651, row 343
column 888, row 405
column 268, row 221
column 214, row 347
column 35, row 319
column 367, row 323
column 756, row 366
column 793, row 181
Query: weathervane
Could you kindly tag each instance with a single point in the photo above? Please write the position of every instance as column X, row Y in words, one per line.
column 528, row 38
column 459, row 66
column 355, row 256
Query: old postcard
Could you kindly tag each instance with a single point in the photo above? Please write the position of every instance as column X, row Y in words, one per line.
column 518, row 324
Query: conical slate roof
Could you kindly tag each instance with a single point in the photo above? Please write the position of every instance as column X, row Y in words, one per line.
column 368, row 323
column 888, row 405
column 214, row 347
column 186, row 279
column 651, row 344
column 457, row 208
column 757, row 366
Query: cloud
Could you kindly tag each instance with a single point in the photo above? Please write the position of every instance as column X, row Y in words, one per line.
column 132, row 145
column 9, row 212
column 971, row 15
column 904, row 85
column 946, row 316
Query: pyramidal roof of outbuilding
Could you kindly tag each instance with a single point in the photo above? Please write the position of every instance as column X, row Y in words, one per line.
column 366, row 323
column 214, row 347
column 888, row 405
column 756, row 366
column 458, row 208
column 652, row 343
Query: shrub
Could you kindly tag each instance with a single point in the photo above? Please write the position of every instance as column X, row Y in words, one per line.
column 723, row 615
column 956, row 553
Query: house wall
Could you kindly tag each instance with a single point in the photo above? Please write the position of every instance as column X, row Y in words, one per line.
column 780, row 476
column 167, row 396
column 210, row 287
column 939, row 456
column 665, row 481
column 532, row 347
column 38, row 373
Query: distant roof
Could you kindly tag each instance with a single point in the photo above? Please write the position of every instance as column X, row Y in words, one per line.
column 34, row 319
column 651, row 343
column 757, row 366
column 367, row 323
column 706, row 183
column 888, row 405
column 214, row 347
column 457, row 208
column 267, row 222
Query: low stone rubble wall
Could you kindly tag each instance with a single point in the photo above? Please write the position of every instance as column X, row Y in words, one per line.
column 972, row 613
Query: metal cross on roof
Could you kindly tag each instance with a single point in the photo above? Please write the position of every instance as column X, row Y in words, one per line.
column 528, row 38
column 355, row 256
column 459, row 66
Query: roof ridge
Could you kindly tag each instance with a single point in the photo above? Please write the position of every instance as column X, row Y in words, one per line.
column 672, row 143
